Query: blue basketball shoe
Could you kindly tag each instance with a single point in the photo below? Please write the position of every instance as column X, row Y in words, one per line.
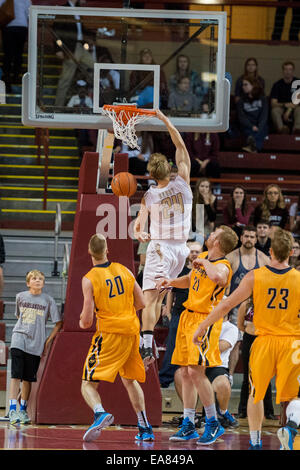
column 186, row 432
column 255, row 446
column 212, row 431
column 286, row 435
column 102, row 420
column 145, row 434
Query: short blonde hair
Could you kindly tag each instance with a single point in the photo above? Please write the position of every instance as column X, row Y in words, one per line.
column 32, row 273
column 282, row 244
column 158, row 166
column 97, row 246
column 228, row 239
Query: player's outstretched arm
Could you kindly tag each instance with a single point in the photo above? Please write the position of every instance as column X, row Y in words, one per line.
column 182, row 157
column 140, row 223
column 87, row 314
column 240, row 294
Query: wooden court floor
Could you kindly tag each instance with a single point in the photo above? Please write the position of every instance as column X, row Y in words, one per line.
column 122, row 438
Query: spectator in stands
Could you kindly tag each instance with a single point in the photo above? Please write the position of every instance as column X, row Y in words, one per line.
column 138, row 158
column 294, row 213
column 2, row 261
column 75, row 46
column 295, row 257
column 263, row 236
column 174, row 308
column 109, row 80
column 279, row 23
column 237, row 213
column 252, row 114
column 272, row 208
column 183, row 69
column 203, row 149
column 138, row 81
column 284, row 113
column 246, row 326
column 182, row 100
column 203, row 223
column 14, row 36
column 83, row 105
column 250, row 70
column 29, row 342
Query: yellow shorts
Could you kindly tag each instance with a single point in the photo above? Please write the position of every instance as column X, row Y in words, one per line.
column 186, row 353
column 275, row 356
column 112, row 353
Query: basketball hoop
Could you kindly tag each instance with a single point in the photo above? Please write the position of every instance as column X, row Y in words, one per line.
column 124, row 118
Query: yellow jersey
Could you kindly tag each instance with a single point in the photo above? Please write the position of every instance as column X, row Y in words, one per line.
column 113, row 288
column 276, row 299
column 204, row 294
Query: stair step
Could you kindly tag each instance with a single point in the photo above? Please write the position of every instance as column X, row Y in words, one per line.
column 20, row 129
column 37, row 204
column 53, row 160
column 38, row 191
column 38, row 170
column 25, row 149
column 55, row 180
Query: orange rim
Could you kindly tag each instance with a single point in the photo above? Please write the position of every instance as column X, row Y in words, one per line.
column 131, row 108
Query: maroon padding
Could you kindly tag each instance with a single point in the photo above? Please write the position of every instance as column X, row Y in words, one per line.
column 56, row 398
column 2, row 331
column 1, row 309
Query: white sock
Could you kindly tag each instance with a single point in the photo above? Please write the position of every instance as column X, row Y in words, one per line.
column 141, row 340
column 189, row 413
column 255, row 437
column 99, row 408
column 148, row 339
column 142, row 419
column 210, row 411
column 293, row 412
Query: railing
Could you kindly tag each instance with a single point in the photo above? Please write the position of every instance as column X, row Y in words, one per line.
column 42, row 140
column 64, row 273
column 57, row 231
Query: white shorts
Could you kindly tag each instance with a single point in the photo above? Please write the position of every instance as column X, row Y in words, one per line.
column 163, row 259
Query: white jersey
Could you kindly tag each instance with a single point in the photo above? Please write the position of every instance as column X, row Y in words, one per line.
column 230, row 334
column 170, row 210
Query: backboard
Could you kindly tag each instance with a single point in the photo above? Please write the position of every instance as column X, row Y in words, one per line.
column 126, row 55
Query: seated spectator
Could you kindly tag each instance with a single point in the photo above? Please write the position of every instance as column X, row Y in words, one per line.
column 263, row 236
column 252, row 114
column 245, row 324
column 203, row 223
column 272, row 208
column 182, row 100
column 203, row 149
column 284, row 114
column 138, row 80
column 295, row 218
column 109, row 81
column 183, row 69
column 138, row 158
column 237, row 213
column 250, row 70
column 295, row 256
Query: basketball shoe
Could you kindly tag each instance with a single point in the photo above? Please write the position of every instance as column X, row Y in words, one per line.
column 102, row 420
column 286, row 435
column 186, row 432
column 145, row 434
column 212, row 431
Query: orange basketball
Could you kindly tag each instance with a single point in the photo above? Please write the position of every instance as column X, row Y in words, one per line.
column 123, row 184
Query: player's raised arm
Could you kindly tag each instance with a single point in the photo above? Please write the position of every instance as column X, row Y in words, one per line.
column 140, row 223
column 182, row 157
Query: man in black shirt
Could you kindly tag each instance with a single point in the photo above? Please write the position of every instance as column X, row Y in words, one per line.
column 263, row 239
column 284, row 113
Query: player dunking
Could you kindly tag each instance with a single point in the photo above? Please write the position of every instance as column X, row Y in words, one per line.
column 275, row 351
column 169, row 205
column 112, row 291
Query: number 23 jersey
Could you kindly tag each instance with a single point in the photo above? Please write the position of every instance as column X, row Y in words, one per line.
column 276, row 298
column 113, row 286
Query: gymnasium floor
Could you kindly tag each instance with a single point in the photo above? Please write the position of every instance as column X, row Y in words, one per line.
column 117, row 438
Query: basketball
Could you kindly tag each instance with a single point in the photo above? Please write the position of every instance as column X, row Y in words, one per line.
column 124, row 184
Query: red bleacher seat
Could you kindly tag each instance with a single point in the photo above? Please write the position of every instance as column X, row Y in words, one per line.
column 260, row 161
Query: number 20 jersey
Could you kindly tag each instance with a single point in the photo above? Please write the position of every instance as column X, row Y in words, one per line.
column 170, row 210
column 113, row 286
column 276, row 298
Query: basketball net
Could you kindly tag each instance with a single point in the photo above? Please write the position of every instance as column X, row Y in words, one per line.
column 124, row 118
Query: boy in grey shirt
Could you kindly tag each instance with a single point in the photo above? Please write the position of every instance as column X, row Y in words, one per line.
column 28, row 343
